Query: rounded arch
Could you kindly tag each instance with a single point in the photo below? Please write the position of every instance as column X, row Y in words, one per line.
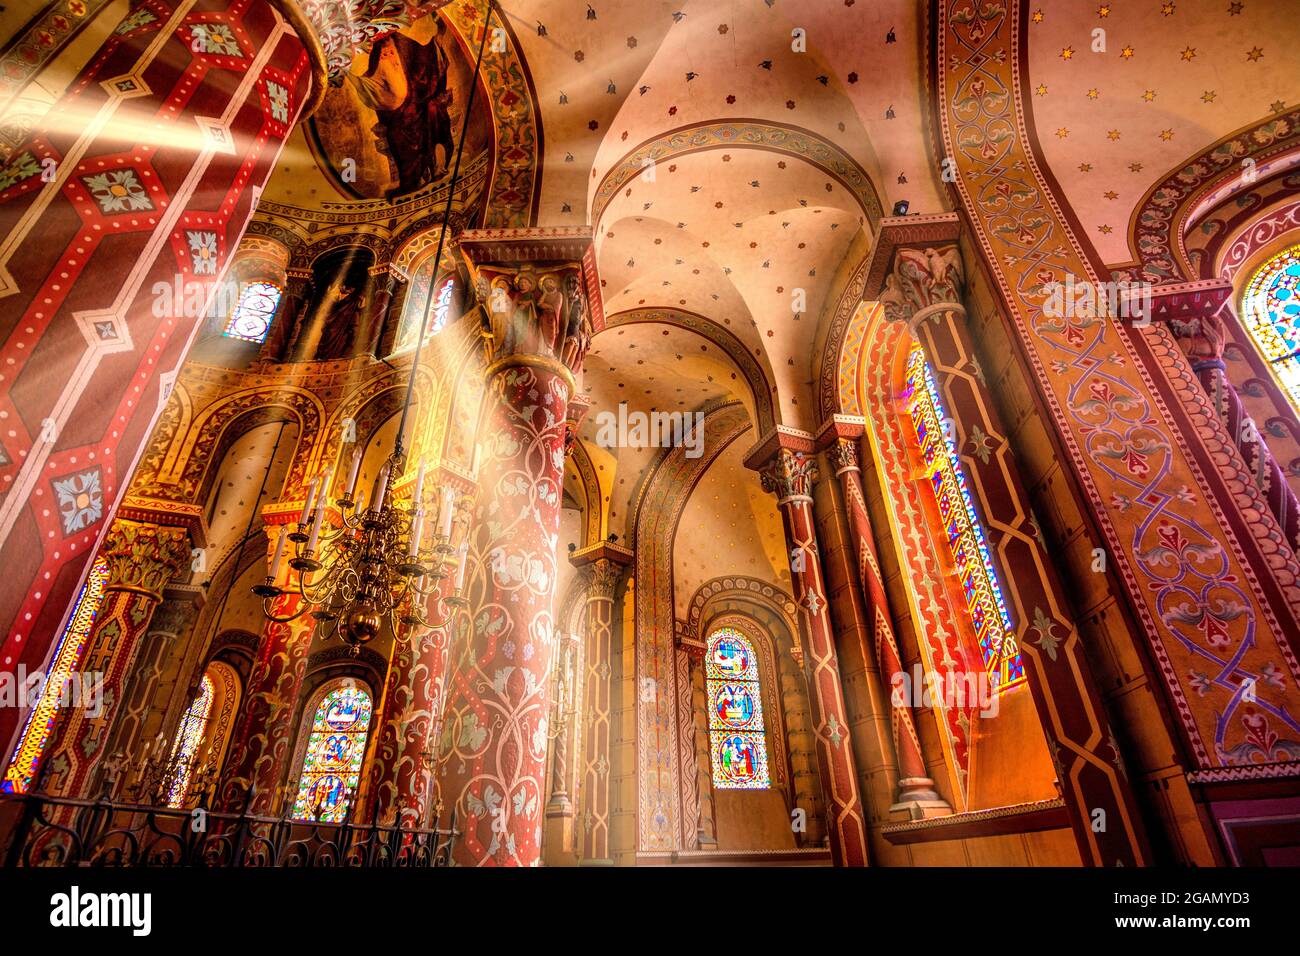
column 191, row 454
column 1213, row 177
column 590, row 498
column 758, row 376
column 787, row 140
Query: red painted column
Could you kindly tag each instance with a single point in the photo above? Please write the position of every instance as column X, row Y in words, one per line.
column 914, row 785
column 141, row 559
column 789, row 475
column 493, row 750
column 414, row 696
column 262, row 743
column 133, row 194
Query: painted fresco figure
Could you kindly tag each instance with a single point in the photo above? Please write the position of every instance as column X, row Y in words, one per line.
column 405, row 83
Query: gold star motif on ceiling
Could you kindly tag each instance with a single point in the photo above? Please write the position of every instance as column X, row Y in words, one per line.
column 1094, row 93
column 1105, row 230
column 1126, row 53
column 1167, row 9
column 1037, row 16
column 1189, row 53
column 1234, row 8
column 1085, row 167
column 1103, row 11
column 1149, row 95
column 1062, row 132
column 1276, row 106
column 1040, row 89
column 1208, row 96
column 1166, row 134
column 1254, row 54
column 1135, row 167
column 1113, row 135
column 1110, row 194
column 1067, row 53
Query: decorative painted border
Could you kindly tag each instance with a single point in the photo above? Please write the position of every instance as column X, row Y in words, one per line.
column 1191, row 585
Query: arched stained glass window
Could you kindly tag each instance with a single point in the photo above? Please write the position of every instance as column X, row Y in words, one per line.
column 189, row 738
column 336, row 746
column 1271, row 311
column 251, row 319
column 413, row 311
column 738, row 743
column 962, row 527
column 57, row 689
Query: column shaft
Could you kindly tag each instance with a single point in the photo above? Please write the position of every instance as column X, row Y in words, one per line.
column 790, row 476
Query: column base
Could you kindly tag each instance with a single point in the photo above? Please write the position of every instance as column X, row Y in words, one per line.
column 918, row 800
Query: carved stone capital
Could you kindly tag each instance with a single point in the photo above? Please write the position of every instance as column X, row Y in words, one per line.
column 790, row 474
column 604, row 579
column 143, row 557
column 843, row 455
column 537, row 290
column 922, row 278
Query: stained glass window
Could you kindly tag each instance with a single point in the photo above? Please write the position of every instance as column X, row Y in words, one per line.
column 737, row 740
column 251, row 319
column 335, row 749
column 1271, row 311
column 189, row 736
column 413, row 311
column 40, row 722
column 967, row 546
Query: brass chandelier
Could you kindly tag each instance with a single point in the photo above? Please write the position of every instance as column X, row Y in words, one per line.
column 373, row 565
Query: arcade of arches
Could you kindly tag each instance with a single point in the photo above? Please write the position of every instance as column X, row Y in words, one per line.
column 652, row 433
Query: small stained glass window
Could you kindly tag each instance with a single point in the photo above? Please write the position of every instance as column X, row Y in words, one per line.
column 61, row 686
column 413, row 311
column 251, row 319
column 738, row 743
column 1271, row 311
column 189, row 737
column 962, row 527
column 336, row 747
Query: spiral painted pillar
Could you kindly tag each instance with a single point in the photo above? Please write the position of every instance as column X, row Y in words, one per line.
column 262, row 743
column 492, row 755
column 789, row 475
column 131, row 197
column 915, row 788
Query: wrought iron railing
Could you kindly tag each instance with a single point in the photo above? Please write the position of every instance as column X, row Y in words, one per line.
column 40, row 830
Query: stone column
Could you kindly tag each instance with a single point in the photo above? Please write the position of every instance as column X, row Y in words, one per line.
column 1196, row 321
column 284, row 341
column 492, row 761
column 414, row 693
column 802, row 745
column 263, row 740
column 122, row 208
column 145, row 700
column 924, row 289
column 789, row 474
column 142, row 558
column 607, row 562
column 916, row 795
column 708, row 827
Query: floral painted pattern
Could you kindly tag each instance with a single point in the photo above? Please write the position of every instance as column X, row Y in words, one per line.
column 118, row 190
